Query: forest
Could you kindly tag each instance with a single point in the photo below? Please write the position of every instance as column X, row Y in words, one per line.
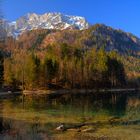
column 70, row 59
column 67, row 67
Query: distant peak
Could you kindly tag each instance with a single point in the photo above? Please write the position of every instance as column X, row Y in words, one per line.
column 54, row 20
column 32, row 14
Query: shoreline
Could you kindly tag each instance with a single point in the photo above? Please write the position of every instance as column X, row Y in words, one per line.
column 75, row 91
column 4, row 94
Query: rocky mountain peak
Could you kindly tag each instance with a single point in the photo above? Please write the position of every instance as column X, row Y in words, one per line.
column 46, row 21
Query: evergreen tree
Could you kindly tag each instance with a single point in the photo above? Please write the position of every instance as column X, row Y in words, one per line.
column 102, row 67
column 32, row 71
column 51, row 67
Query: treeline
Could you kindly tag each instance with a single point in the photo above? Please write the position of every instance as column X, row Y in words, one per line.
column 66, row 67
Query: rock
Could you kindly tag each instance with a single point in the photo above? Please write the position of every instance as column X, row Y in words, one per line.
column 60, row 128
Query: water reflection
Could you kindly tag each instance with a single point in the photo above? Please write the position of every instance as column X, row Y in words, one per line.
column 1, row 119
column 35, row 118
column 113, row 103
column 1, row 125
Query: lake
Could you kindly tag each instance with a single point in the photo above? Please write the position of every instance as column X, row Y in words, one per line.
column 94, row 116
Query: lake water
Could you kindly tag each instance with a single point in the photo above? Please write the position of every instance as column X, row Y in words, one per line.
column 36, row 118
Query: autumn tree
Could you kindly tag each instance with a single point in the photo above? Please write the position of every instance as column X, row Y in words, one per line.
column 32, row 71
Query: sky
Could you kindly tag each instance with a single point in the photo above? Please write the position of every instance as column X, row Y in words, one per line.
column 120, row 14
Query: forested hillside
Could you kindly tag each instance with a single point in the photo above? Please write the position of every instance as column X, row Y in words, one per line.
column 98, row 57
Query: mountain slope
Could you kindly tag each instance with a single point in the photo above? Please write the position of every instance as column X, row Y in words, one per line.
column 39, row 31
column 97, row 36
column 112, row 39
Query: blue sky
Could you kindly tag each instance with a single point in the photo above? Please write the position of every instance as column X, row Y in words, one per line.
column 121, row 14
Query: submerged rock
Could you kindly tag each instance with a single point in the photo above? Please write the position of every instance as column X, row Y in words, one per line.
column 60, row 128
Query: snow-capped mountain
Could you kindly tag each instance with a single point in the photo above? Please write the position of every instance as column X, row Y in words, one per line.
column 46, row 21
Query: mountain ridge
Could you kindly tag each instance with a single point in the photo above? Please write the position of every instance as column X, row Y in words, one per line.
column 98, row 35
column 33, row 16
column 70, row 30
column 54, row 20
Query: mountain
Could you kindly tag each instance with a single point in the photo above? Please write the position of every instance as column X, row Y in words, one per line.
column 58, row 21
column 75, row 42
column 54, row 33
column 3, row 26
column 112, row 39
column 98, row 35
column 40, row 31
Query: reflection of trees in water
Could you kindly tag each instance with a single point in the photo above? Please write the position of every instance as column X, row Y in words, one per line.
column 133, row 101
column 36, row 103
column 118, row 104
column 4, row 124
column 1, row 118
column 35, row 128
column 38, row 130
column 1, row 124
column 114, row 104
column 133, row 107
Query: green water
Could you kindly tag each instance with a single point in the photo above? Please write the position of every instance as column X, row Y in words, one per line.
column 36, row 118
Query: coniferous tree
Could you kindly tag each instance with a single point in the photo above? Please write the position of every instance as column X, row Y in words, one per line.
column 51, row 68
column 32, row 71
